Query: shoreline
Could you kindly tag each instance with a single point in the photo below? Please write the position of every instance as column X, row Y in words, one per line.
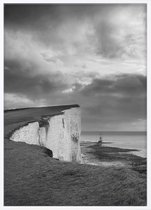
column 102, row 155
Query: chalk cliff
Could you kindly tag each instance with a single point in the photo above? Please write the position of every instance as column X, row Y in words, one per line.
column 59, row 132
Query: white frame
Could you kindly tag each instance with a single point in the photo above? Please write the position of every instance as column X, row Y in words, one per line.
column 148, row 2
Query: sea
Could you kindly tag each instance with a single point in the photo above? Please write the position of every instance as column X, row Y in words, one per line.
column 126, row 140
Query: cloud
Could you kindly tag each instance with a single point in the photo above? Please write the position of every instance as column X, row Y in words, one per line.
column 124, row 84
column 110, row 30
column 65, row 38
column 115, row 101
column 94, row 55
column 122, row 34
column 16, row 100
column 19, row 80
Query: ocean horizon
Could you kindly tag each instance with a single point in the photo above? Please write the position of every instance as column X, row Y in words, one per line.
column 136, row 140
column 117, row 132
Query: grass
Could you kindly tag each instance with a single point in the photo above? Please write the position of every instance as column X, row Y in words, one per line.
column 33, row 178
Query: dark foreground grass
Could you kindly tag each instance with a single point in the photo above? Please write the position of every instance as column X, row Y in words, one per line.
column 32, row 178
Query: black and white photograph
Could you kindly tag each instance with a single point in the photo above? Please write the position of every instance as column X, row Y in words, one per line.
column 75, row 104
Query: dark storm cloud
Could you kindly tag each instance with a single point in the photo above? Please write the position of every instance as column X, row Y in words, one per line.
column 40, row 14
column 18, row 79
column 50, row 24
column 29, row 16
column 118, row 100
column 44, row 20
column 35, row 16
column 114, row 109
column 133, row 85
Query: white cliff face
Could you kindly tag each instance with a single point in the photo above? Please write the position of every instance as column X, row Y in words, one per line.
column 58, row 139
column 27, row 133
column 59, row 133
column 73, row 119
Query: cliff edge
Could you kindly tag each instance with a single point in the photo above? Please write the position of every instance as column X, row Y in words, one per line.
column 58, row 131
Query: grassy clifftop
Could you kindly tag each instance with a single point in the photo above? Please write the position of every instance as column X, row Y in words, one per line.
column 33, row 113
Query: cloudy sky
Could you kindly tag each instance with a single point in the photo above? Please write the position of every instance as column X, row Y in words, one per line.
column 91, row 55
